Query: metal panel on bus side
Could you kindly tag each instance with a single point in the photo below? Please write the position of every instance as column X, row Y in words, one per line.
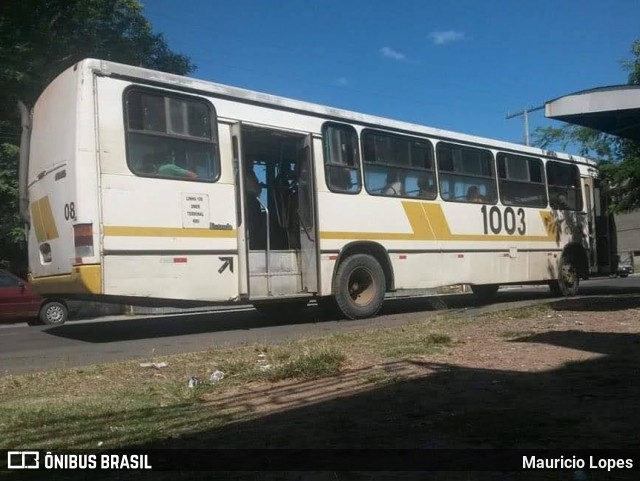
column 152, row 247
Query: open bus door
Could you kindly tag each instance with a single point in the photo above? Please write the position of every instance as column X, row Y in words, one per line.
column 306, row 215
column 605, row 230
column 278, row 249
column 589, row 193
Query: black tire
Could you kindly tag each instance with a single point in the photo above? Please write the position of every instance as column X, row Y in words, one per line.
column 359, row 287
column 624, row 275
column 568, row 279
column 282, row 309
column 554, row 287
column 53, row 313
column 485, row 292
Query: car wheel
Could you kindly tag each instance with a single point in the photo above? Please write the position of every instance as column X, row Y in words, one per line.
column 53, row 313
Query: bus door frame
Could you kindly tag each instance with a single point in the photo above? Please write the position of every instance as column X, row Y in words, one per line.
column 238, row 173
column 307, row 211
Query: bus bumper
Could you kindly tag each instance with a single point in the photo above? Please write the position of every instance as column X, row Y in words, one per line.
column 82, row 280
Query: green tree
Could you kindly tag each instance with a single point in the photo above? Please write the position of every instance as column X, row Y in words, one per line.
column 619, row 158
column 38, row 40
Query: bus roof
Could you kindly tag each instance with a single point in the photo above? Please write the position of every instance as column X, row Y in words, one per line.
column 203, row 87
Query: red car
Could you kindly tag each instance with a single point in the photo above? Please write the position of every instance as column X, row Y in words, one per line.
column 18, row 300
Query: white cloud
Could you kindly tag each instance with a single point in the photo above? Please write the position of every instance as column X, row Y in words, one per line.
column 388, row 52
column 442, row 38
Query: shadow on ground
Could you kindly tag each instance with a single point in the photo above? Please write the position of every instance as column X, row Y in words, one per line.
column 598, row 303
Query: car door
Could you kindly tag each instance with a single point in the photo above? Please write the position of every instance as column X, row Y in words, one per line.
column 17, row 298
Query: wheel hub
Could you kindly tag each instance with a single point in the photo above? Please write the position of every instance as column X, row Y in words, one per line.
column 362, row 286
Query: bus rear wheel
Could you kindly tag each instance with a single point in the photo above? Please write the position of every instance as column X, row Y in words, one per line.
column 359, row 287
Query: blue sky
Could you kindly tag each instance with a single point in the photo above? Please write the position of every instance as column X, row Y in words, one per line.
column 460, row 65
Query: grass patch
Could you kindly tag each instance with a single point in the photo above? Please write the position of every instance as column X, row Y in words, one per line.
column 308, row 366
column 516, row 334
column 526, row 312
column 122, row 404
column 419, row 346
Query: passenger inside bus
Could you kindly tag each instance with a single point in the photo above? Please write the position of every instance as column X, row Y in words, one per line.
column 340, row 179
column 425, row 188
column 283, row 205
column 161, row 165
column 473, row 194
column 256, row 220
column 393, row 186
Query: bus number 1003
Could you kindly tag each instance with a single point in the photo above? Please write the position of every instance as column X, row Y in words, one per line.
column 510, row 220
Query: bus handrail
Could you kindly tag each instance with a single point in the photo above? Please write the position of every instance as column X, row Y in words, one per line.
column 268, row 251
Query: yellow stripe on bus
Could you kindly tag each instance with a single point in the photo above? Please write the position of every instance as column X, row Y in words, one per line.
column 42, row 220
column 428, row 223
column 85, row 279
column 127, row 231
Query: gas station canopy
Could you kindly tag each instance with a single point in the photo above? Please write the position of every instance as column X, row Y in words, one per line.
column 614, row 110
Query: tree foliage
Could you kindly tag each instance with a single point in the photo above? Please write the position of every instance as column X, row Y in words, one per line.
column 41, row 38
column 619, row 158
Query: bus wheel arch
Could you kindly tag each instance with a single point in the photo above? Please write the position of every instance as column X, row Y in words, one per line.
column 361, row 277
column 373, row 249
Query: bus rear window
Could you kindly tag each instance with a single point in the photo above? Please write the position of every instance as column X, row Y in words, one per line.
column 170, row 136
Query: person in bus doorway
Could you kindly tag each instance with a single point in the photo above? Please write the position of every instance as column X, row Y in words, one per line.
column 473, row 194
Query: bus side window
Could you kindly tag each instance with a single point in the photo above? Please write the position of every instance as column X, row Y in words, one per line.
column 521, row 181
column 466, row 174
column 564, row 186
column 398, row 165
column 341, row 158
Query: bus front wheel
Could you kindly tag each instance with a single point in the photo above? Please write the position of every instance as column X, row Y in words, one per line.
column 568, row 279
column 359, row 286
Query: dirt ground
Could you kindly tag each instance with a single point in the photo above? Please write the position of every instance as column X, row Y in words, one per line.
column 564, row 377
column 560, row 376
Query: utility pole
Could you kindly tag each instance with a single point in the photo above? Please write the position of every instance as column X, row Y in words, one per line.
column 525, row 114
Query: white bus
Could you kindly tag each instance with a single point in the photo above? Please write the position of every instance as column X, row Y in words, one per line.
column 143, row 187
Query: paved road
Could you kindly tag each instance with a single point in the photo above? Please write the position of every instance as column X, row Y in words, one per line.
column 116, row 338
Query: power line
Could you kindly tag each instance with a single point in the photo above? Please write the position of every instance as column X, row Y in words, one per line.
column 525, row 114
